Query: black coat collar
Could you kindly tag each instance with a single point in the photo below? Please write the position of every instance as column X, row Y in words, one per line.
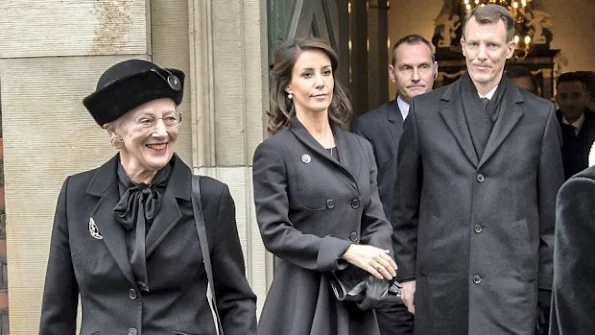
column 346, row 163
column 104, row 185
column 452, row 113
column 393, row 112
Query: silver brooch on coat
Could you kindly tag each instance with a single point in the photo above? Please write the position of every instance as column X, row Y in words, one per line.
column 94, row 230
column 306, row 159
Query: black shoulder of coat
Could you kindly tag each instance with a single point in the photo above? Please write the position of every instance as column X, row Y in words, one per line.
column 375, row 114
column 355, row 138
column 277, row 140
column 211, row 187
column 434, row 95
column 537, row 104
column 78, row 183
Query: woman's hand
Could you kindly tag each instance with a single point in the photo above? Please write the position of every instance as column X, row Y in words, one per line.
column 374, row 260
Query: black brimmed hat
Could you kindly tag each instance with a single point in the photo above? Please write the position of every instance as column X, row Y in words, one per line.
column 129, row 84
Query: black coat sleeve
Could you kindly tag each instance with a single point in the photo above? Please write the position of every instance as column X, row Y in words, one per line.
column 405, row 209
column 60, row 294
column 236, row 302
column 550, row 177
column 278, row 234
column 574, row 269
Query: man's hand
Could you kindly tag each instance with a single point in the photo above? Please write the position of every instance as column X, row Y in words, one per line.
column 407, row 295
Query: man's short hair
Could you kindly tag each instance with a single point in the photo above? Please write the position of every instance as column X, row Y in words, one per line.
column 589, row 80
column 515, row 72
column 411, row 39
column 492, row 14
column 571, row 77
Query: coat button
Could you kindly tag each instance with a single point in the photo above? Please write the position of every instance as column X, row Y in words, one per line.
column 330, row 204
column 355, row 203
column 478, row 228
column 480, row 178
column 353, row 236
column 476, row 279
column 132, row 331
column 132, row 294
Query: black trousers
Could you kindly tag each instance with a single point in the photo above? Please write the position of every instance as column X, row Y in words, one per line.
column 395, row 320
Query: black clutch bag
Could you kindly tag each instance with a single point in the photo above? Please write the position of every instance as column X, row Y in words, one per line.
column 357, row 285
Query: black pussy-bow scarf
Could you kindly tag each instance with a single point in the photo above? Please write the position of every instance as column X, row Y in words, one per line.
column 138, row 206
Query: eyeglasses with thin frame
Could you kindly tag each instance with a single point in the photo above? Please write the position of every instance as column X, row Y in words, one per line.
column 149, row 122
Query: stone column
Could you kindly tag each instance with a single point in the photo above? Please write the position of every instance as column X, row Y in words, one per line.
column 229, row 97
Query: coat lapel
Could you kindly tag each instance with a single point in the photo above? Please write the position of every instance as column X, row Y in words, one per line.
column 105, row 186
column 347, row 165
column 453, row 115
column 395, row 119
column 510, row 115
column 178, row 187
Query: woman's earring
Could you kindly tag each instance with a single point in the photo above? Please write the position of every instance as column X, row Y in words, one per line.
column 117, row 142
column 289, row 95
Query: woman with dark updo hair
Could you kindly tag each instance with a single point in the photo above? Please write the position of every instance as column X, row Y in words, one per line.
column 316, row 198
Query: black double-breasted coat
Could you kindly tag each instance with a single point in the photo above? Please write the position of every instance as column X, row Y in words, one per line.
column 310, row 208
column 89, row 257
column 477, row 233
column 573, row 303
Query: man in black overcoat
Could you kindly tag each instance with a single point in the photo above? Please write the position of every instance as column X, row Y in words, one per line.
column 413, row 69
column 478, row 171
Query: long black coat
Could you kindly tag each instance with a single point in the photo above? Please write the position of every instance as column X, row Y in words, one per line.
column 477, row 233
column 573, row 306
column 99, row 269
column 310, row 208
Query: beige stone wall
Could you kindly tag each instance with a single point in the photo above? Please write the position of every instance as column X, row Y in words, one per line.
column 51, row 54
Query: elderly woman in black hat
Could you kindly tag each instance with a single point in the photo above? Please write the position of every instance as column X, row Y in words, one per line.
column 125, row 236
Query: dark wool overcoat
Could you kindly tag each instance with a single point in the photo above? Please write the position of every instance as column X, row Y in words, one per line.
column 93, row 263
column 310, row 208
column 573, row 307
column 477, row 233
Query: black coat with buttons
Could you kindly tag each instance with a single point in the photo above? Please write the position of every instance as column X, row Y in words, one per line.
column 310, row 208
column 477, row 233
column 90, row 259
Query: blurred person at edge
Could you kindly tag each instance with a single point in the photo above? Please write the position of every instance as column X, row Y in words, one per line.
column 573, row 300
